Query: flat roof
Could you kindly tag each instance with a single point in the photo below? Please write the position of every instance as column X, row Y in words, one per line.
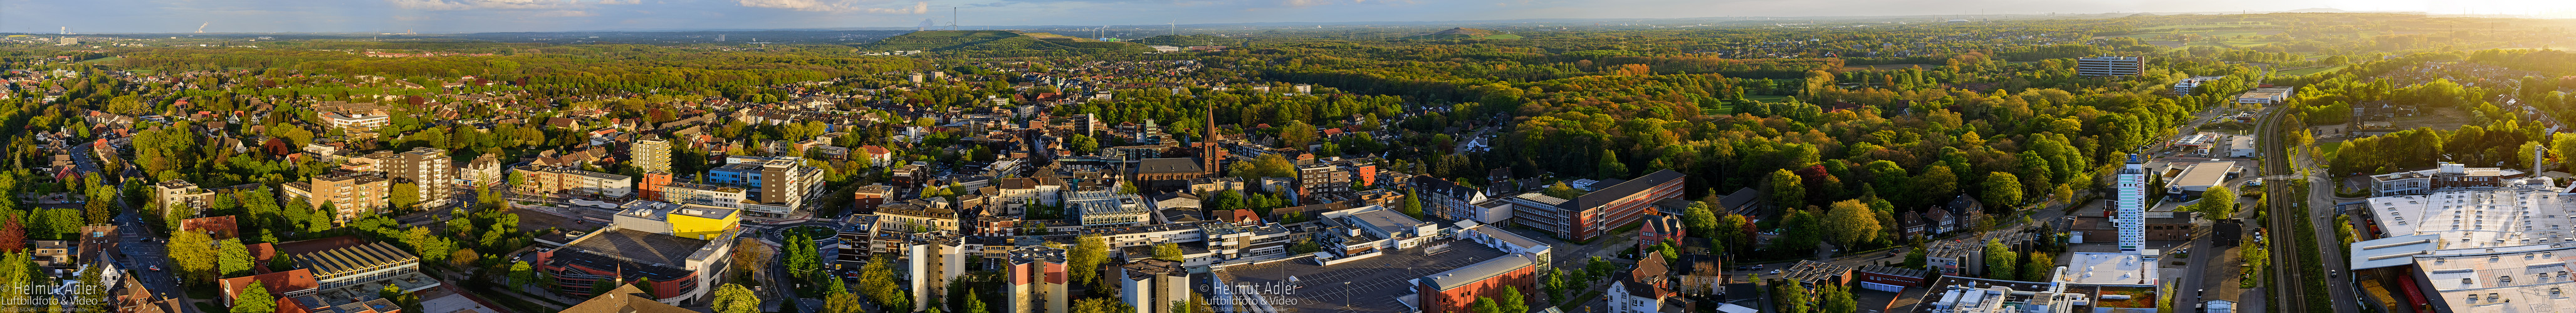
column 2205, row 174
column 1506, row 236
column 2108, row 268
column 658, row 210
column 2479, row 218
column 1387, row 220
column 1374, row 283
column 2392, row 251
column 639, row 246
column 2512, row 282
column 1472, row 273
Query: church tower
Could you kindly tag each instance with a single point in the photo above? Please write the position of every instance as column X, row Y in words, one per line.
column 1209, row 150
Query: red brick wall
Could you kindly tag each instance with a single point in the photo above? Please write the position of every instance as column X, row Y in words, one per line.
column 1456, row 300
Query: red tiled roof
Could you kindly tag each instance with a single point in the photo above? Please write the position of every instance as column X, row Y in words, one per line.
column 278, row 284
column 219, row 227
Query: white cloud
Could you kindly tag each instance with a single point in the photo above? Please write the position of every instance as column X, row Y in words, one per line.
column 834, row 6
column 566, row 13
column 442, row 5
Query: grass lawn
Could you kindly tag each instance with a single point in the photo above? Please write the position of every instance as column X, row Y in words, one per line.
column 1767, row 98
column 104, row 60
column 1717, row 111
column 2312, row 70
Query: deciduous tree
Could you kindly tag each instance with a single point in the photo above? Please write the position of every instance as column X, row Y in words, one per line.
column 2002, row 190
column 733, row 298
column 1851, row 222
column 254, row 299
column 1089, row 251
column 194, row 255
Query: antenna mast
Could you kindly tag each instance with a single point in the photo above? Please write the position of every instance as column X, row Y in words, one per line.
column 952, row 18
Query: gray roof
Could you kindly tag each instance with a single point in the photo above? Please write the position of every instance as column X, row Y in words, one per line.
column 1387, row 221
column 1472, row 273
column 640, row 247
column 1168, row 166
column 2392, row 251
column 1623, row 189
column 1741, row 197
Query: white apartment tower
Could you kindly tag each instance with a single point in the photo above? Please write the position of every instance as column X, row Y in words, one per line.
column 2132, row 203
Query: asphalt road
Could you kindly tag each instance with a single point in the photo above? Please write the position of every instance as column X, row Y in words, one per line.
column 144, row 251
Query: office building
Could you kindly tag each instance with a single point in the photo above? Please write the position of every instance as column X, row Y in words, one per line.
column 779, row 185
column 2443, row 176
column 2189, row 85
column 1599, row 211
column 2110, row 66
column 1454, row 290
column 1104, row 206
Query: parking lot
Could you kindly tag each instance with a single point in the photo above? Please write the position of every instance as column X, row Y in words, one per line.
column 1366, row 285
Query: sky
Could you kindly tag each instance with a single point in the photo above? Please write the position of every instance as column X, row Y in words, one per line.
column 467, row 16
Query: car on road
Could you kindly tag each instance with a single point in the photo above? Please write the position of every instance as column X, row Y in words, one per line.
column 156, row 268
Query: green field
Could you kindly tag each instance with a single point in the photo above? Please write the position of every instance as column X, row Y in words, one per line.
column 2312, row 70
column 942, row 40
column 2191, row 26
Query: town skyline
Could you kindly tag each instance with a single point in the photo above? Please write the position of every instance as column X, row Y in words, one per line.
column 475, row 16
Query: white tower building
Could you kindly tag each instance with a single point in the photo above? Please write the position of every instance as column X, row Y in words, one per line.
column 2132, row 203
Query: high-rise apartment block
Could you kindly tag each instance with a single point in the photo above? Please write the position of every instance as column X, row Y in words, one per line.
column 2131, row 203
column 651, row 154
column 425, row 168
column 353, row 194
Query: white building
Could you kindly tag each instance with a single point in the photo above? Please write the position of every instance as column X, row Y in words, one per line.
column 1499, row 239
column 1398, row 230
column 2132, row 206
column 2240, row 147
column 1153, row 285
column 1105, row 206
column 2492, row 249
column 933, row 260
column 2265, row 95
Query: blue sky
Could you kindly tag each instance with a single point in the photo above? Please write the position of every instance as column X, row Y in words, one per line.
column 453, row 16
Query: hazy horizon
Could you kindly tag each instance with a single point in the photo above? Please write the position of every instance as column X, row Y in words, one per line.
column 470, row 16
